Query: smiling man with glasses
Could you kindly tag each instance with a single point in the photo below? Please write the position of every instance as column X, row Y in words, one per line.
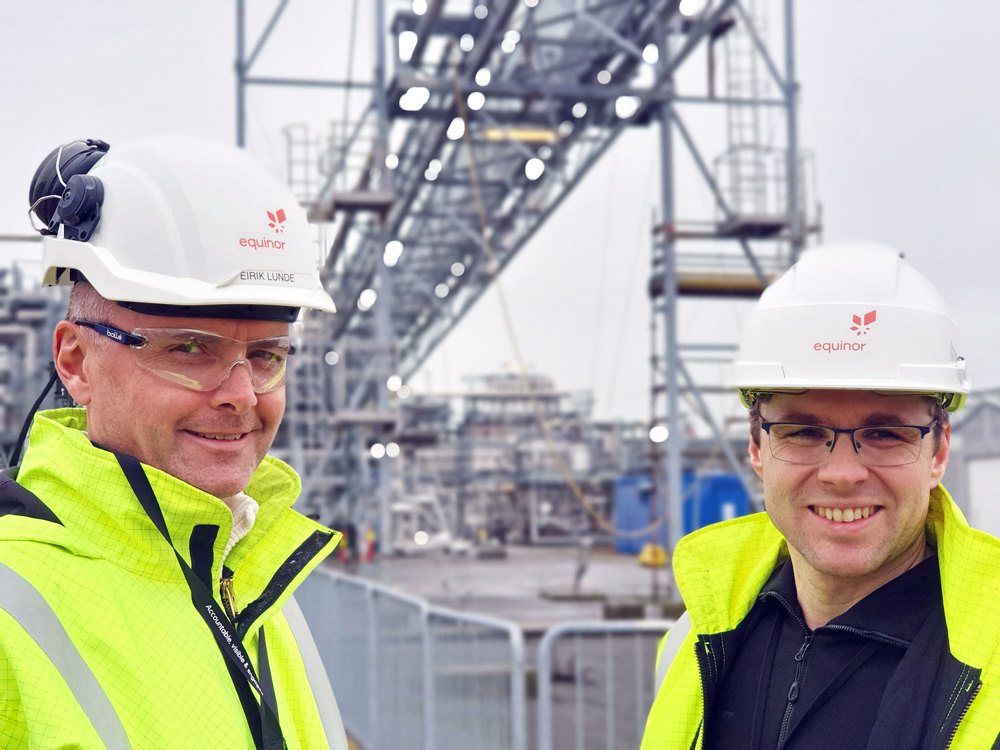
column 148, row 546
column 860, row 611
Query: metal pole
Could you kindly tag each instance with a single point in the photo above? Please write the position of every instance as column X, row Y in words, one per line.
column 675, row 438
column 430, row 739
column 532, row 513
column 374, row 676
column 240, row 74
column 657, row 489
column 518, row 709
column 383, row 308
column 381, row 101
column 796, row 222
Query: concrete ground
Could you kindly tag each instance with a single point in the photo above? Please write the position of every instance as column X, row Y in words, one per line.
column 532, row 586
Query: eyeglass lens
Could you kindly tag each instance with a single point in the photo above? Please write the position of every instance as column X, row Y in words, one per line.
column 202, row 361
column 875, row 446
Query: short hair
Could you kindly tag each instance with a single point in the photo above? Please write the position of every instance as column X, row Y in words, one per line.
column 938, row 413
column 86, row 303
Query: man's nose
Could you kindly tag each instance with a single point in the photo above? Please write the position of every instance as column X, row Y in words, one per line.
column 236, row 387
column 843, row 463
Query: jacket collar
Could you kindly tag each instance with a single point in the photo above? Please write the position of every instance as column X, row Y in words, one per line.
column 897, row 609
column 970, row 578
column 84, row 487
column 721, row 568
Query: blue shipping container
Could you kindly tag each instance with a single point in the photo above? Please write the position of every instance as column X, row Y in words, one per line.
column 708, row 498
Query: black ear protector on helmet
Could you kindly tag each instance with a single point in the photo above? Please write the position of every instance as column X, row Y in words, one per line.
column 62, row 193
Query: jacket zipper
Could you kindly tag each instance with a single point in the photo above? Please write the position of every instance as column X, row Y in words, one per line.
column 292, row 566
column 793, row 691
column 702, row 649
column 872, row 635
column 228, row 597
column 961, row 716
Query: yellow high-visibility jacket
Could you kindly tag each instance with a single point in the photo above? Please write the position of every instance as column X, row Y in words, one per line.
column 100, row 643
column 720, row 570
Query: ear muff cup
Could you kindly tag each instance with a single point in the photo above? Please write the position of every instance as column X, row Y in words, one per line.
column 79, row 208
column 76, row 159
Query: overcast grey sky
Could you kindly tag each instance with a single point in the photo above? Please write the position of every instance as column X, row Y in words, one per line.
column 898, row 104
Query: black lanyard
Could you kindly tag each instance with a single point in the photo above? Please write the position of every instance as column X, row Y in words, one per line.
column 264, row 727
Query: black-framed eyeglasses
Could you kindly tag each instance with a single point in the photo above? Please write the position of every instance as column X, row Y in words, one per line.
column 876, row 445
column 201, row 360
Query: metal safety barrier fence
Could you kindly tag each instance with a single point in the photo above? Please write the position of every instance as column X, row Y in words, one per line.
column 596, row 684
column 410, row 675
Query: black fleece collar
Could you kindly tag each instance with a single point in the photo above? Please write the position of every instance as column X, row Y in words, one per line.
column 898, row 608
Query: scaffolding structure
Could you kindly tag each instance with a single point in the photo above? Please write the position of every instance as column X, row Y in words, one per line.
column 27, row 317
column 483, row 457
column 759, row 227
column 484, row 115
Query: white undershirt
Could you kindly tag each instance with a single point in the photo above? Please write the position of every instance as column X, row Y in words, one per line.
column 244, row 509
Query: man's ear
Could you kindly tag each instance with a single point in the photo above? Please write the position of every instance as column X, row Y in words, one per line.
column 754, row 450
column 69, row 350
column 940, row 460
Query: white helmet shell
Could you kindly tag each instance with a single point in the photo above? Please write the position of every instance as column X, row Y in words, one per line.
column 190, row 222
column 852, row 316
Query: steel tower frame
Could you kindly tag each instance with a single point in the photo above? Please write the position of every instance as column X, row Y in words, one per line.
column 769, row 230
column 475, row 102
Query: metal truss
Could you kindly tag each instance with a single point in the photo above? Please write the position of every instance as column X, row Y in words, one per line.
column 488, row 117
column 758, row 229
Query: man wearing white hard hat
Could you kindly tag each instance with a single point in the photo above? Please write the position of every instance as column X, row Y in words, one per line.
column 149, row 550
column 861, row 610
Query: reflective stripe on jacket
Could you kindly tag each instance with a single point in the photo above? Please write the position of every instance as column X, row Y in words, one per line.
column 721, row 568
column 133, row 651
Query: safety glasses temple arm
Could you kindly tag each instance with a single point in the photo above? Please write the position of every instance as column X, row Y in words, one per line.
column 115, row 334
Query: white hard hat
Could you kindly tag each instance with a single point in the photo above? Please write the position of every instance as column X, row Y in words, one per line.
column 177, row 226
column 852, row 316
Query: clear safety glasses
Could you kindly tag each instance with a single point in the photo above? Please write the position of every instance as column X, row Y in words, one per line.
column 884, row 445
column 200, row 360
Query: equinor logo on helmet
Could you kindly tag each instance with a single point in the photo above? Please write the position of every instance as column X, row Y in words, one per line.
column 276, row 221
column 860, row 324
column 863, row 323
